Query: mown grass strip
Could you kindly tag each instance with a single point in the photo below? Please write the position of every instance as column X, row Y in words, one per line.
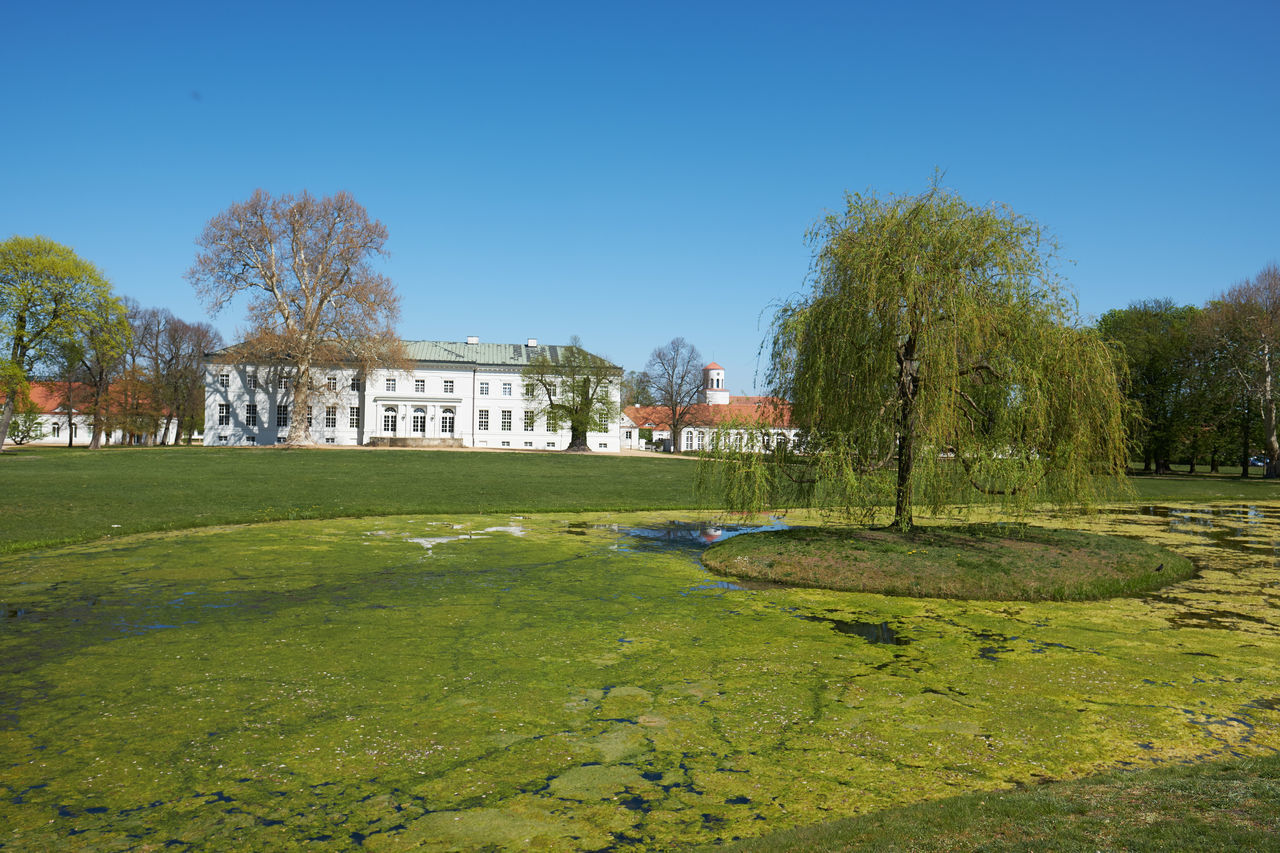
column 1225, row 805
column 59, row 496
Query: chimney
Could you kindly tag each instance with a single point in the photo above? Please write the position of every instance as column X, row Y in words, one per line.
column 533, row 342
column 473, row 339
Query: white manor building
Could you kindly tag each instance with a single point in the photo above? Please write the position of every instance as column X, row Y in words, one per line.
column 453, row 394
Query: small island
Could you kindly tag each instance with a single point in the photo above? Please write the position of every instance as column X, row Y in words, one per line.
column 992, row 562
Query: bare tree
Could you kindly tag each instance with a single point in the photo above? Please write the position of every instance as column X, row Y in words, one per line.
column 675, row 380
column 314, row 298
column 1247, row 318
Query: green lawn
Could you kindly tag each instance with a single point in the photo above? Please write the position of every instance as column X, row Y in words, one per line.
column 55, row 496
column 60, row 496
column 1221, row 805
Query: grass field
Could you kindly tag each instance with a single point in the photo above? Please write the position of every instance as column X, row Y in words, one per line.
column 1215, row 806
column 54, row 496
column 61, row 496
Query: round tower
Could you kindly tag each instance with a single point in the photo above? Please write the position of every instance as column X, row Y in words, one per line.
column 714, row 392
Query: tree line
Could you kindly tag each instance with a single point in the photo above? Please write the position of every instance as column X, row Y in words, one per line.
column 104, row 357
column 1201, row 379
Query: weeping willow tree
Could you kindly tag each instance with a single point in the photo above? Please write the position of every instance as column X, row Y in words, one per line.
column 936, row 362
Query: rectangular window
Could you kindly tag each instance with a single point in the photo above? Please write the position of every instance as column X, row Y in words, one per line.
column 251, row 382
column 251, row 415
column 331, row 382
column 355, row 384
column 309, row 417
column 250, row 439
column 506, row 420
column 483, row 423
column 551, row 444
column 528, row 444
column 354, row 419
column 282, row 415
column 222, row 439
column 506, row 389
column 224, row 414
column 390, row 384
column 506, row 444
column 330, row 417
column 627, row 434
column 419, row 386
column 330, row 440
column 484, row 389
column 448, row 386
column 528, row 421
column 604, row 445
column 224, row 380
column 284, row 384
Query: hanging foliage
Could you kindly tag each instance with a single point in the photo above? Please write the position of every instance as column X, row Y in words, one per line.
column 936, row 362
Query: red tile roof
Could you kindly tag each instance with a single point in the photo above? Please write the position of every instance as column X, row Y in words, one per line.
column 776, row 412
column 50, row 395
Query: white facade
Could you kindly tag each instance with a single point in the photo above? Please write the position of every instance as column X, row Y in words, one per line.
column 454, row 394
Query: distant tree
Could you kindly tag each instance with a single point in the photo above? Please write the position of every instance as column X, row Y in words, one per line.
column 636, row 389
column 1154, row 336
column 95, row 360
column 180, row 386
column 1247, row 322
column 314, row 297
column 47, row 295
column 26, row 424
column 936, row 362
column 171, row 356
column 575, row 389
column 675, row 380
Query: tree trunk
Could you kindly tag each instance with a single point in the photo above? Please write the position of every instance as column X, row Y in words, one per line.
column 1269, row 414
column 1213, row 463
column 1244, row 438
column 6, row 417
column 299, row 433
column 577, row 441
column 907, row 383
column 95, row 437
column 1191, row 469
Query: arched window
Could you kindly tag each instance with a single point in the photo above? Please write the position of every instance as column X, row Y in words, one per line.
column 57, row 429
column 419, row 421
column 389, row 420
column 446, row 422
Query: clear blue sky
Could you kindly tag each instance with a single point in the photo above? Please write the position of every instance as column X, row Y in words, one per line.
column 630, row 172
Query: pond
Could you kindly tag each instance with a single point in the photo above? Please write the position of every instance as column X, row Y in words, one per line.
column 580, row 682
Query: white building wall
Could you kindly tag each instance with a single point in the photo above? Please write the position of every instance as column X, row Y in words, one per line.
column 418, row 404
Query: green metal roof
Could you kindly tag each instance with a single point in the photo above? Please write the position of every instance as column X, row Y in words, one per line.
column 480, row 355
column 461, row 353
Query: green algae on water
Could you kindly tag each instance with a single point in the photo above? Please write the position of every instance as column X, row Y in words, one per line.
column 470, row 682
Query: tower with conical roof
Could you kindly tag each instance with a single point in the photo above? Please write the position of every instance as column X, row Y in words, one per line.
column 714, row 392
